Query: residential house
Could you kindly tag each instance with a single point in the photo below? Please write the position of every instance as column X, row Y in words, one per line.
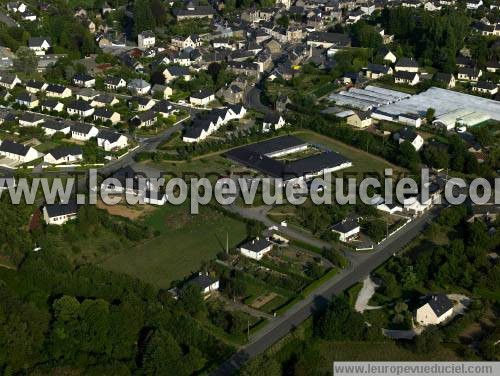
column 406, row 65
column 469, row 74
column 111, row 140
column 202, row 97
column 143, row 119
column 163, row 108
column 486, row 87
column 173, row 72
column 58, row 91
column 51, row 127
column 9, row 81
column 106, row 116
column 375, row 71
column 406, row 78
column 231, row 93
column 205, row 283
column 52, row 105
column 27, row 100
column 103, row 100
column 40, row 45
column 347, row 229
column 33, row 86
column 143, row 103
column 80, row 107
column 60, row 213
column 87, row 94
column 18, row 152
column 256, row 249
column 146, row 39
column 83, row 80
column 359, row 119
column 161, row 91
column 191, row 41
column 328, row 40
column 114, row 83
column 447, row 79
column 64, row 154
column 30, row 119
column 83, row 132
column 386, row 54
column 139, row 86
column 407, row 135
column 435, row 310
column 272, row 121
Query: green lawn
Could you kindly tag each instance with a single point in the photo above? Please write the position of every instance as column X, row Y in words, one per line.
column 183, row 243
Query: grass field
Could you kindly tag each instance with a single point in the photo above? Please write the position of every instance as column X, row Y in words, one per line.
column 183, row 243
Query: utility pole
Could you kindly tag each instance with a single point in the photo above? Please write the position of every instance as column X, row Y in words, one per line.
column 227, row 242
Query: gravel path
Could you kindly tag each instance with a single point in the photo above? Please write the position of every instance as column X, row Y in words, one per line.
column 364, row 296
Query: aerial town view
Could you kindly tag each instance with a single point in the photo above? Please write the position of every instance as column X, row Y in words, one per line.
column 255, row 188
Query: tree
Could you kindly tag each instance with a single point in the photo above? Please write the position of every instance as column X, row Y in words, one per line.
column 429, row 115
column 143, row 16
column 283, row 21
column 339, row 322
column 191, row 298
column 408, row 156
column 26, row 61
column 427, row 342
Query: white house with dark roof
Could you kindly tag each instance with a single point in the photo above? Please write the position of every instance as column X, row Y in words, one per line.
column 347, row 229
column 406, row 78
column 105, row 115
column 436, row 309
column 80, row 107
column 408, row 135
column 146, row 39
column 202, row 97
column 206, row 283
column 111, row 140
column 30, row 119
column 18, row 152
column 58, row 91
column 52, row 105
column 60, row 213
column 139, row 86
column 28, row 100
column 114, row 83
column 9, row 81
column 64, row 154
column 39, row 45
column 52, row 127
column 83, row 80
column 83, row 132
column 173, row 72
column 406, row 65
column 272, row 121
column 256, row 249
column 143, row 119
column 486, row 87
column 34, row 86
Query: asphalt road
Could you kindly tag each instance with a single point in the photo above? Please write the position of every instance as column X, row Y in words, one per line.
column 318, row 300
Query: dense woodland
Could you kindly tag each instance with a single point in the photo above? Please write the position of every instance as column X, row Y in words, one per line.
column 55, row 316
